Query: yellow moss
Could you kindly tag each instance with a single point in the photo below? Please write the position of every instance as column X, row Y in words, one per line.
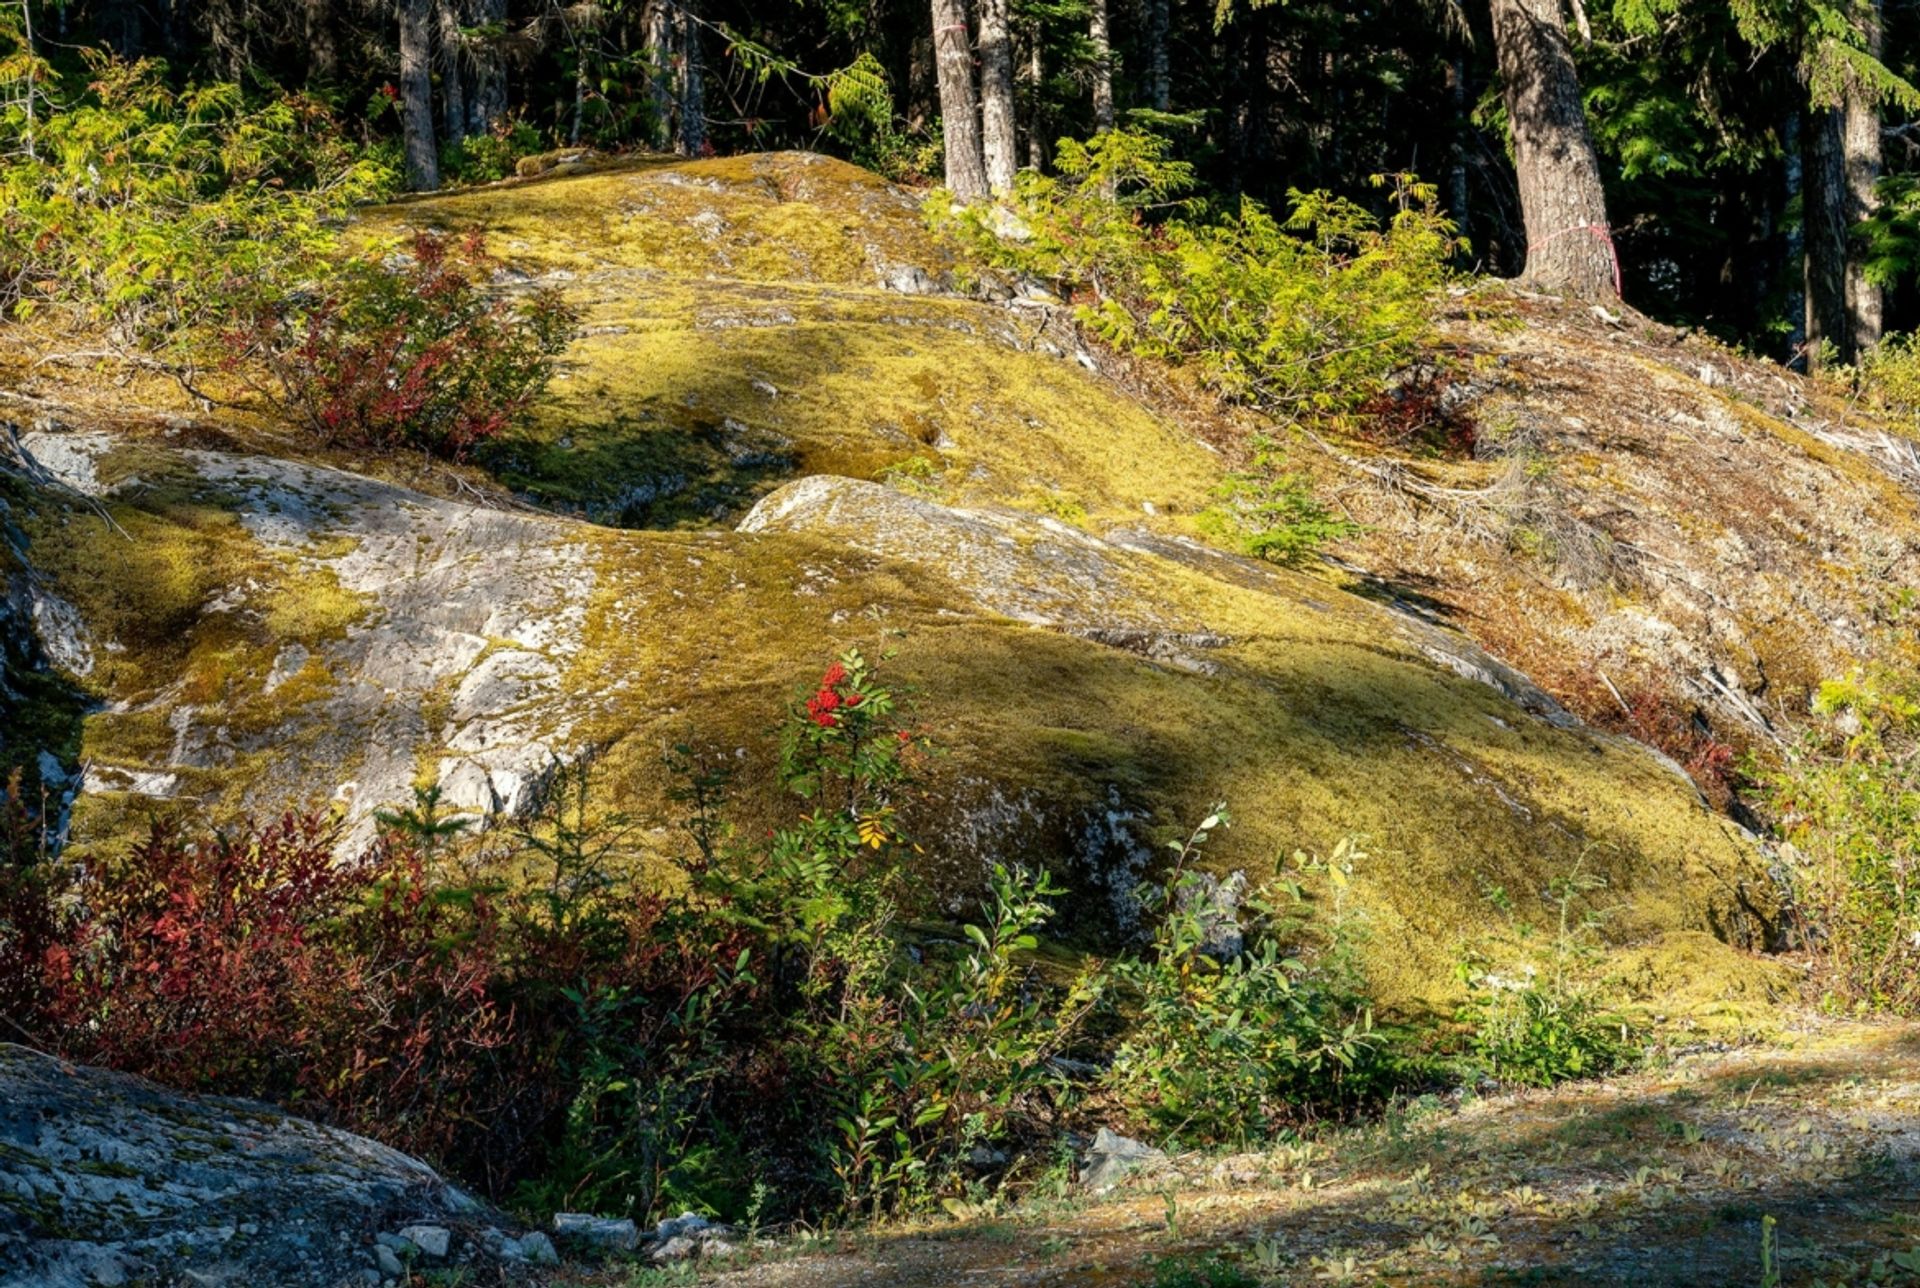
column 734, row 334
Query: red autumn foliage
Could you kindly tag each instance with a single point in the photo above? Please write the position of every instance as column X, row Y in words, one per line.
column 418, row 353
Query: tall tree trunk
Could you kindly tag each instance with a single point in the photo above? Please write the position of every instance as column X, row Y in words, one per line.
column 693, row 87
column 453, row 96
column 1102, row 44
column 659, row 55
column 1569, row 243
column 1037, row 126
column 487, row 105
column 1860, row 156
column 1159, row 82
column 997, row 131
column 959, row 113
column 1794, row 239
column 1825, row 200
column 323, row 59
column 1457, row 149
column 416, row 94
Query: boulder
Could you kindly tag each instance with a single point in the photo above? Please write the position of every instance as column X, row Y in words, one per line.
column 108, row 1179
column 1112, row 1158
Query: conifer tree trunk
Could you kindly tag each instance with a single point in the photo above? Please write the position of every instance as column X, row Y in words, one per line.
column 1825, row 201
column 1102, row 43
column 1037, row 127
column 959, row 112
column 659, row 54
column 1569, row 243
column 997, row 130
column 1457, row 148
column 416, row 94
column 323, row 59
column 453, row 98
column 1159, row 82
column 1794, row 236
column 487, row 105
column 693, row 87
column 1860, row 158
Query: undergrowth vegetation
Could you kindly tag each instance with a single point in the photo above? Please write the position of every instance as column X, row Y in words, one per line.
column 758, row 1019
column 1849, row 802
column 203, row 228
column 1313, row 317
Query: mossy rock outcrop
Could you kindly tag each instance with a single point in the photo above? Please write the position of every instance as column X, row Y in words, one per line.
column 262, row 631
column 780, row 435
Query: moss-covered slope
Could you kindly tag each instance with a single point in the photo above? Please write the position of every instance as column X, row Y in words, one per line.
column 261, row 630
column 938, row 478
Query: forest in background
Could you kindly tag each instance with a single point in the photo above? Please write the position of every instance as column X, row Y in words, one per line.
column 1757, row 157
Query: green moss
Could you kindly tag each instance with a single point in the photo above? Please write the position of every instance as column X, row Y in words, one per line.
column 734, row 335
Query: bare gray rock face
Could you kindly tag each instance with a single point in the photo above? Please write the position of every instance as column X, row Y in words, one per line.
column 107, row 1179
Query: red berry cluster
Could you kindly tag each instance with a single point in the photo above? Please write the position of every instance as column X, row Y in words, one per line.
column 823, row 707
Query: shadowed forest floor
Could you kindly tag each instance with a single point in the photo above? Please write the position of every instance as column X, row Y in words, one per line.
column 1662, row 1177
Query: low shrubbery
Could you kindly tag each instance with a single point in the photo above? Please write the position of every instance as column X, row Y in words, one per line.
column 205, row 228
column 1537, row 1011
column 1849, row 801
column 1307, row 314
column 412, row 353
column 156, row 213
column 755, row 1031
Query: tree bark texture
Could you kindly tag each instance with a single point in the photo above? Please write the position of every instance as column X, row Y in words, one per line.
column 1860, row 157
column 1159, row 81
column 1102, row 43
column 1825, row 203
column 416, row 94
column 997, row 130
column 1569, row 242
column 693, row 86
column 959, row 112
column 453, row 95
column 659, row 53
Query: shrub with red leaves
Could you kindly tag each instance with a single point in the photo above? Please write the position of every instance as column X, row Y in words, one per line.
column 1415, row 414
column 418, row 353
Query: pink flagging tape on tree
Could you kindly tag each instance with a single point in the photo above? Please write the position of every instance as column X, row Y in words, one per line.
column 1605, row 234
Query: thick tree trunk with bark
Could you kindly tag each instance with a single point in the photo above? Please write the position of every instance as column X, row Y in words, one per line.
column 453, row 95
column 1102, row 43
column 487, row 104
column 1569, row 243
column 693, row 85
column 1825, row 202
column 1860, row 157
column 1037, row 126
column 959, row 112
column 1159, row 82
column 416, row 94
column 1457, row 149
column 1794, row 237
column 659, row 54
column 997, row 131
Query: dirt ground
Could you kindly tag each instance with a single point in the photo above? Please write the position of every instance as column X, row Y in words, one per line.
column 1661, row 1177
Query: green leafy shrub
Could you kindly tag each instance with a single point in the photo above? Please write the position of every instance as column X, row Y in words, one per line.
column 492, row 156
column 1889, row 375
column 1849, row 801
column 1304, row 315
column 419, row 355
column 1273, row 514
column 597, row 1034
column 158, row 212
column 1537, row 1023
column 1227, row 1046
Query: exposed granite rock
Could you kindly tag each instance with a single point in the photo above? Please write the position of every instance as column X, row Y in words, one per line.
column 107, row 1179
